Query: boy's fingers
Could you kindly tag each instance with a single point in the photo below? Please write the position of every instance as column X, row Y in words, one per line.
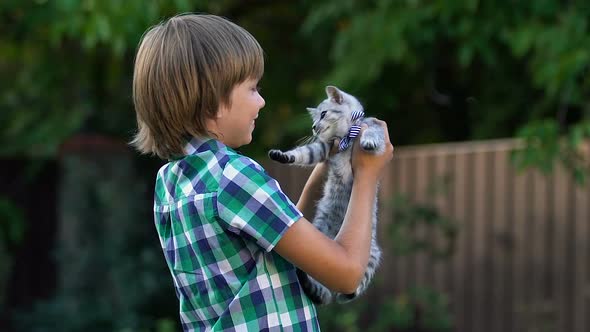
column 363, row 127
column 385, row 130
column 334, row 149
column 388, row 146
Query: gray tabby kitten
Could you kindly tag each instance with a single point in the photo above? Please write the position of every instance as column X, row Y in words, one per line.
column 338, row 116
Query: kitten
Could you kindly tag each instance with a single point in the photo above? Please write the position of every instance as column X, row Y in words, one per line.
column 337, row 117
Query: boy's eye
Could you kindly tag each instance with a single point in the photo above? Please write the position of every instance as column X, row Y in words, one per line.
column 323, row 114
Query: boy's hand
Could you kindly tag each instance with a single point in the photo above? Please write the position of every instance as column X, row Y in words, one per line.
column 334, row 150
column 365, row 164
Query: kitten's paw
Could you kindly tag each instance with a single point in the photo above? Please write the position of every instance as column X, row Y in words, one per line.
column 371, row 141
column 368, row 145
column 281, row 157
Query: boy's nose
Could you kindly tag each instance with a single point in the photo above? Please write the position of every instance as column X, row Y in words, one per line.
column 262, row 102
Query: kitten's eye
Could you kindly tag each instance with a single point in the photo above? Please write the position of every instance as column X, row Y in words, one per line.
column 323, row 114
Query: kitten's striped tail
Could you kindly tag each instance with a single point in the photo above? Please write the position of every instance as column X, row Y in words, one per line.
column 374, row 261
column 316, row 292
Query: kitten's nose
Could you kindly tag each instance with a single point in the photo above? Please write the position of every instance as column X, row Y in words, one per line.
column 313, row 127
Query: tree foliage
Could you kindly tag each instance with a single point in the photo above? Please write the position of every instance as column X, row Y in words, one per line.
column 71, row 62
column 68, row 63
column 462, row 70
column 436, row 71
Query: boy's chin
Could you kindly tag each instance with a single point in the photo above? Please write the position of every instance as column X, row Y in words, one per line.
column 243, row 142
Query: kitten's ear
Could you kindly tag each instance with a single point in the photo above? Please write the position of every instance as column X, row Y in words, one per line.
column 334, row 94
column 311, row 110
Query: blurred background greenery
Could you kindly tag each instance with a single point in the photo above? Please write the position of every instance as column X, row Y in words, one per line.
column 436, row 71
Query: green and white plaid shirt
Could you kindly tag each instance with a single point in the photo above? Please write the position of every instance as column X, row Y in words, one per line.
column 219, row 215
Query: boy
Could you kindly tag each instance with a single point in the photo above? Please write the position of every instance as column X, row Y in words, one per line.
column 230, row 237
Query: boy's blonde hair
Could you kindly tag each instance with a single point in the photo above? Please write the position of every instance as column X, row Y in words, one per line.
column 185, row 68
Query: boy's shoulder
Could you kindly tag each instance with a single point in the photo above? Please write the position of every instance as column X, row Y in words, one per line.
column 218, row 155
column 206, row 171
column 211, row 159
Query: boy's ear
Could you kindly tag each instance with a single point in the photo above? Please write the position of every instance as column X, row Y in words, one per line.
column 334, row 94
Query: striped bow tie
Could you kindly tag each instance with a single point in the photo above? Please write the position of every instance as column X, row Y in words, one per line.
column 353, row 132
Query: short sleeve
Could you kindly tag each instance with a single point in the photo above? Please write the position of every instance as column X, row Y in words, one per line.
column 252, row 204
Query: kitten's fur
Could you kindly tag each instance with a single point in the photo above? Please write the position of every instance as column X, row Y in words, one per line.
column 331, row 120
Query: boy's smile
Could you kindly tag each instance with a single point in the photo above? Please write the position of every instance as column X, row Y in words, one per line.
column 235, row 122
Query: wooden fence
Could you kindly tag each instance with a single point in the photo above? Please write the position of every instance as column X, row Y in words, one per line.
column 522, row 255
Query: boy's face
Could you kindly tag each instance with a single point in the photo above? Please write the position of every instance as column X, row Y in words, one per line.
column 236, row 123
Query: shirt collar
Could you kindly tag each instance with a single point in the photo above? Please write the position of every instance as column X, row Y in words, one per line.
column 197, row 145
